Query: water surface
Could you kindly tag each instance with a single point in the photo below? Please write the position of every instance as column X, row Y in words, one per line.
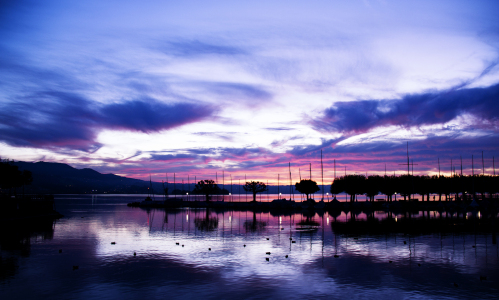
column 342, row 255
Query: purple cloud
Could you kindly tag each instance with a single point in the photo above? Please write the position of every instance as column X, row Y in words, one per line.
column 151, row 115
column 411, row 110
column 56, row 119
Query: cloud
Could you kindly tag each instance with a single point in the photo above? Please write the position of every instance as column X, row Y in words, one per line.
column 411, row 110
column 172, row 157
column 150, row 115
column 57, row 119
column 235, row 92
column 278, row 128
column 197, row 48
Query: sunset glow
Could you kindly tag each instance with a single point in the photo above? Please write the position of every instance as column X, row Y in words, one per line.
column 204, row 87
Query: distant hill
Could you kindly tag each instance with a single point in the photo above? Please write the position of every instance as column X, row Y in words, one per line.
column 58, row 178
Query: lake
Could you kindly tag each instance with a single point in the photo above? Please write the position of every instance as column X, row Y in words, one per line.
column 214, row 254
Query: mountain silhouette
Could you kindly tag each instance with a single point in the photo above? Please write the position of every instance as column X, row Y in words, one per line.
column 59, row 178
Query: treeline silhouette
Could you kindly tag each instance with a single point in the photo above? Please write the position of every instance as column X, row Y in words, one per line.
column 12, row 178
column 458, row 186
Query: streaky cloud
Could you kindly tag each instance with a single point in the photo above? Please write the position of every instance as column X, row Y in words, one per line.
column 239, row 91
column 58, row 120
column 68, row 120
column 151, row 115
column 411, row 110
column 172, row 157
column 192, row 48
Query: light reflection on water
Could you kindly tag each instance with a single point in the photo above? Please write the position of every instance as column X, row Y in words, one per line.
column 163, row 269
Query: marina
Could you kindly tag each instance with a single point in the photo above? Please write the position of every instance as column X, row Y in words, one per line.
column 103, row 249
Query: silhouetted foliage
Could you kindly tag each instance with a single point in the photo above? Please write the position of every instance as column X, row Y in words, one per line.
column 206, row 187
column 11, row 177
column 388, row 186
column 408, row 185
column 355, row 185
column 372, row 186
column 307, row 187
column 255, row 187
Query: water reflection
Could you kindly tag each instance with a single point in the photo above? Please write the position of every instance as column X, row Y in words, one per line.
column 16, row 238
column 254, row 224
column 369, row 254
column 207, row 223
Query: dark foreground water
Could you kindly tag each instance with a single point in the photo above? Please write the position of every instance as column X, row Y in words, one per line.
column 397, row 256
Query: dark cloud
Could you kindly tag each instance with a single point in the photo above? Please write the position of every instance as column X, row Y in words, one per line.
column 151, row 115
column 197, row 48
column 56, row 119
column 411, row 110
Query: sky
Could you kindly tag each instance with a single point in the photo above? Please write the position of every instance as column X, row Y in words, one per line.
column 201, row 88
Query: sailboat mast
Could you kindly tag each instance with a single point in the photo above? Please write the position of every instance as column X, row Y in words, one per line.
column 322, row 179
column 461, row 165
column 408, row 173
column 278, row 194
column 439, row 167
column 483, row 166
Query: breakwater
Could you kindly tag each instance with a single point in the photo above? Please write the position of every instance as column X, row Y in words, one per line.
column 408, row 205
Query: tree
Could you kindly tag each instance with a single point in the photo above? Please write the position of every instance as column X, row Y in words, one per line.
column 12, row 177
column 387, row 187
column 422, row 186
column 355, row 185
column 255, row 187
column 307, row 187
column 404, row 184
column 372, row 186
column 337, row 186
column 206, row 187
column 26, row 178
